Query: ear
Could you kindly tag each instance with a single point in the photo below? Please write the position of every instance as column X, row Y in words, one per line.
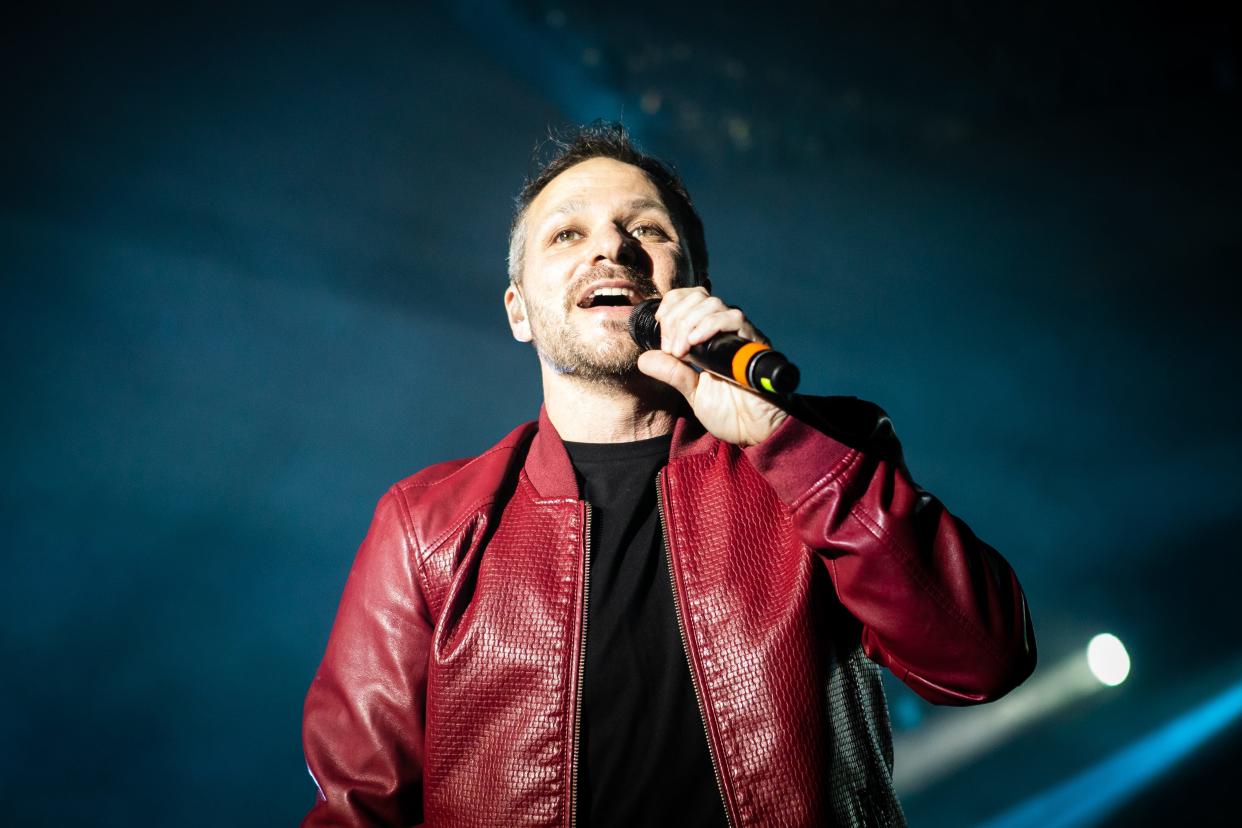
column 515, row 309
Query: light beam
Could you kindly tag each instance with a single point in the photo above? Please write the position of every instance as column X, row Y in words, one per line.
column 1092, row 795
column 928, row 754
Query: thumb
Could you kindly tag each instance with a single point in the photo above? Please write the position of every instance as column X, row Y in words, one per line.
column 670, row 369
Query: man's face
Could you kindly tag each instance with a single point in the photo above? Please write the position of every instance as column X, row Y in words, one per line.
column 599, row 240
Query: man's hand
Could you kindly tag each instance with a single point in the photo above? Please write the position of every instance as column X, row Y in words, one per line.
column 691, row 316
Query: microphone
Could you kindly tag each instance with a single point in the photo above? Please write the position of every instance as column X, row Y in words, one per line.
column 751, row 365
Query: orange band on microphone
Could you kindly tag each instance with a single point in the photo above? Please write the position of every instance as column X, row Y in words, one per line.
column 742, row 359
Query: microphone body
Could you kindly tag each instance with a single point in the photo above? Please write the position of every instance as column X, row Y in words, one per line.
column 751, row 365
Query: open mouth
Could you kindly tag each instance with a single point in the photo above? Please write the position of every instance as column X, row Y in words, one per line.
column 610, row 297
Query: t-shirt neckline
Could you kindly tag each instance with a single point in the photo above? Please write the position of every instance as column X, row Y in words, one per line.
column 609, row 452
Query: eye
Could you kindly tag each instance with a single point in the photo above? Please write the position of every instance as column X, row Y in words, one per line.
column 567, row 235
column 649, row 231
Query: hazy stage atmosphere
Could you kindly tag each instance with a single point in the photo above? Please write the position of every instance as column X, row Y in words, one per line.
column 254, row 261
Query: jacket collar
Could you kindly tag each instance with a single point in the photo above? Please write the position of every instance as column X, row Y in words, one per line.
column 549, row 470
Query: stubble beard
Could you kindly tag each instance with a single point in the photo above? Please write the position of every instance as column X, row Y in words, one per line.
column 612, row 360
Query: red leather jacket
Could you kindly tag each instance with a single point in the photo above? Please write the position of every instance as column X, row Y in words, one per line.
column 449, row 692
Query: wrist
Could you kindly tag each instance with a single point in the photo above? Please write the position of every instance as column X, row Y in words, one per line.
column 773, row 423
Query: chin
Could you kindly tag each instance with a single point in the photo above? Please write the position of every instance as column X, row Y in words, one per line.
column 609, row 366
column 602, row 352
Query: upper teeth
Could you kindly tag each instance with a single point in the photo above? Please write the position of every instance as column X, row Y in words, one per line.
column 612, row 291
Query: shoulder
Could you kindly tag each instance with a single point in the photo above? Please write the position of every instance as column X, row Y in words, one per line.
column 440, row 497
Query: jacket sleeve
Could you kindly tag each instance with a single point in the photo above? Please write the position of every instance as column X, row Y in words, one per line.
column 939, row 607
column 364, row 718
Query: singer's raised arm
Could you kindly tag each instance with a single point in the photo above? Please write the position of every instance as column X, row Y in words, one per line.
column 938, row 606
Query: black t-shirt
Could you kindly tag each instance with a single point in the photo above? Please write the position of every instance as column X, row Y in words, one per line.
column 643, row 758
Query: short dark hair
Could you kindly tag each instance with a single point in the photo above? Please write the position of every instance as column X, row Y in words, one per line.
column 606, row 139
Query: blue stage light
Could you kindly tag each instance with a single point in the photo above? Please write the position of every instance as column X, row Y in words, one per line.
column 1090, row 796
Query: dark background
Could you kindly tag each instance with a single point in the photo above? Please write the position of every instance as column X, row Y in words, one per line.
column 253, row 262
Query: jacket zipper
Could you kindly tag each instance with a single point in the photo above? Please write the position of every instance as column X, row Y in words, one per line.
column 685, row 645
column 586, row 596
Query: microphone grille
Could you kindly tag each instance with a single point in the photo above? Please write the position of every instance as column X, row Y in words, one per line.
column 643, row 325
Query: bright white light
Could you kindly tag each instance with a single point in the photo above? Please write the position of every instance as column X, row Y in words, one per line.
column 1108, row 659
column 928, row 753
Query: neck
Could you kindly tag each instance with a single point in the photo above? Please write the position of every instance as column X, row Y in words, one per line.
column 634, row 408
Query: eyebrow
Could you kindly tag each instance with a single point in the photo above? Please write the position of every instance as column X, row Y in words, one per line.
column 649, row 204
column 576, row 205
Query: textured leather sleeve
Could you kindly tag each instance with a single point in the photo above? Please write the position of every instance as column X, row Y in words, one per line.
column 939, row 607
column 364, row 716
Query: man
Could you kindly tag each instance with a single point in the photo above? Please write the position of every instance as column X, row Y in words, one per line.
column 664, row 601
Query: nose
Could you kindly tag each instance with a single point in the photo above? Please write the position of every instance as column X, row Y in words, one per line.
column 613, row 244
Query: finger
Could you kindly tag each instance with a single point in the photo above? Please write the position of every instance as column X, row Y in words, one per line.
column 672, row 304
column 671, row 370
column 749, row 330
column 730, row 320
column 675, row 297
column 688, row 319
column 681, row 317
